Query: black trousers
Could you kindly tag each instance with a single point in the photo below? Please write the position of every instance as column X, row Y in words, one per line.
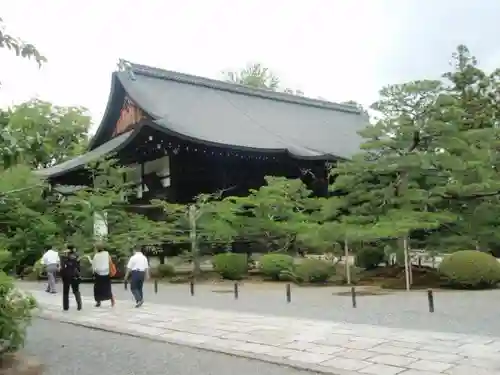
column 74, row 284
column 136, row 284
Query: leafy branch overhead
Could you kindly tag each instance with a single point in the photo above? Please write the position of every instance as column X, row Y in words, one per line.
column 19, row 47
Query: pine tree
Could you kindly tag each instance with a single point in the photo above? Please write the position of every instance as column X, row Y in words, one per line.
column 468, row 139
column 386, row 190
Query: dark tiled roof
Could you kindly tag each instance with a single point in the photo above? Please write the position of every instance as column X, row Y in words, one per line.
column 97, row 153
column 216, row 112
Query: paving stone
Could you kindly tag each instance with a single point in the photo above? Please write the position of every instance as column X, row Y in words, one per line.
column 148, row 330
column 362, row 343
column 435, row 356
column 346, row 364
column 313, row 348
column 403, row 344
column 440, row 349
column 185, row 337
column 314, row 358
column 492, row 364
column 357, row 354
column 252, row 348
column 391, row 349
column 382, row 370
column 332, row 340
column 282, row 353
column 469, row 370
column 321, row 349
column 419, row 372
column 479, row 351
column 393, row 360
column 430, row 365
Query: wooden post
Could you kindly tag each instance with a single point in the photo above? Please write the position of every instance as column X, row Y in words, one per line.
column 194, row 245
column 191, row 288
column 347, row 264
column 156, row 286
column 407, row 266
column 430, row 298
column 236, row 291
column 288, row 293
column 353, row 296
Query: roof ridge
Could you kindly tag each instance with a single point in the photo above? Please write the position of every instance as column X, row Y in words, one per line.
column 237, row 88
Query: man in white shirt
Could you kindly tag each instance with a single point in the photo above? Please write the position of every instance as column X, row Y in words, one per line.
column 51, row 262
column 138, row 268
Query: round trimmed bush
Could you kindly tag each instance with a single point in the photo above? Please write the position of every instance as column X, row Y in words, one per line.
column 370, row 257
column 470, row 269
column 15, row 314
column 273, row 265
column 314, row 271
column 230, row 266
column 165, row 270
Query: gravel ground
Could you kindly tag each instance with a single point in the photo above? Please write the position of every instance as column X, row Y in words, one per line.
column 71, row 350
column 474, row 312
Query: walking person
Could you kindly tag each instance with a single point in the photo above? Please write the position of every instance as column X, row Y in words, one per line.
column 51, row 262
column 138, row 269
column 103, row 269
column 70, row 274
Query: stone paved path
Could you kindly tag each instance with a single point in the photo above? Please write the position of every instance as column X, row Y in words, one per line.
column 322, row 346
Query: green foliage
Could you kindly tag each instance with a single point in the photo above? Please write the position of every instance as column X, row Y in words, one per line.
column 369, row 257
column 314, row 271
column 27, row 224
column 277, row 215
column 165, row 270
column 5, row 260
column 15, row 315
column 40, row 134
column 17, row 46
column 469, row 269
column 257, row 76
column 254, row 75
column 274, row 265
column 230, row 266
column 86, row 271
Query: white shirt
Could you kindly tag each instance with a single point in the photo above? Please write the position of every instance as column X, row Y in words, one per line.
column 138, row 262
column 100, row 263
column 50, row 257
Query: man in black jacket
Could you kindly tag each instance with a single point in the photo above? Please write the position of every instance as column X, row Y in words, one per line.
column 70, row 274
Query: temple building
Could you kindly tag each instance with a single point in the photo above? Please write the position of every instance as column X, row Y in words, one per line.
column 185, row 135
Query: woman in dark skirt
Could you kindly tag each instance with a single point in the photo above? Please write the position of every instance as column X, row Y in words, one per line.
column 102, row 278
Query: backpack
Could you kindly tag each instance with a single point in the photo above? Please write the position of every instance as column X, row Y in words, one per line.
column 70, row 266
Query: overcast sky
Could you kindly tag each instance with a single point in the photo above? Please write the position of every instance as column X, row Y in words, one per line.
column 337, row 49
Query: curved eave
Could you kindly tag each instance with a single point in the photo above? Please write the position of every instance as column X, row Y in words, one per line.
column 312, row 155
column 114, row 145
column 111, row 114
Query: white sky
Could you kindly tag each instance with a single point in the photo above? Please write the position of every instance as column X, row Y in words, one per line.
column 335, row 49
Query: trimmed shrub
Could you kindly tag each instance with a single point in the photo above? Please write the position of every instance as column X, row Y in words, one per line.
column 164, row 270
column 370, row 257
column 230, row 266
column 273, row 265
column 15, row 314
column 314, row 271
column 470, row 269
